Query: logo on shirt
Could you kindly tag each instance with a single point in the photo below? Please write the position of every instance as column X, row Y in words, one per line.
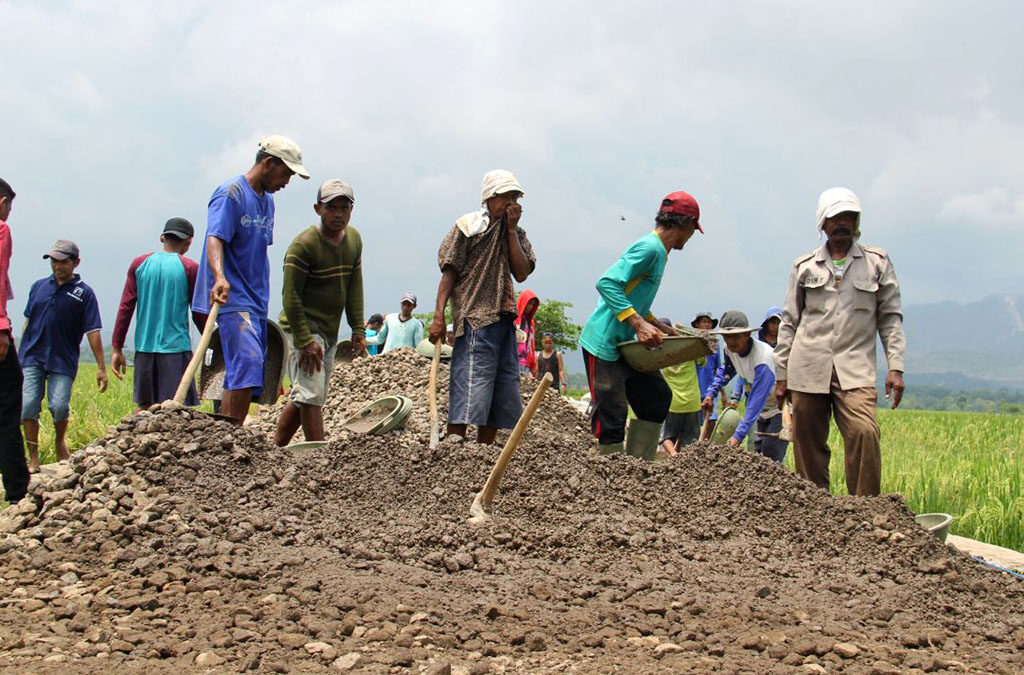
column 76, row 293
column 259, row 222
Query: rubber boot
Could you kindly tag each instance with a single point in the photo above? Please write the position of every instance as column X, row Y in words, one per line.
column 610, row 448
column 642, row 439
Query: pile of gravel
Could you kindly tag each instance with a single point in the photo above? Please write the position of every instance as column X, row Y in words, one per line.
column 181, row 543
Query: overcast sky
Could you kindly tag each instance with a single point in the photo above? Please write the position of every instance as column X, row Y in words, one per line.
column 117, row 116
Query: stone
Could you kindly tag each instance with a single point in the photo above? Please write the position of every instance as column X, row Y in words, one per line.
column 209, row 660
column 347, row 662
column 847, row 650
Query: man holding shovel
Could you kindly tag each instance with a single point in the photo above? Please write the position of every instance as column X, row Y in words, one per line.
column 839, row 298
column 323, row 277
column 626, row 292
column 234, row 269
column 478, row 258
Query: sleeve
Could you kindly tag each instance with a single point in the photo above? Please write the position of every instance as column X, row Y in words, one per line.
column 354, row 295
column 637, row 260
column 725, row 372
column 296, row 269
column 760, row 390
column 524, row 241
column 222, row 214
column 5, row 264
column 129, row 295
column 453, row 251
column 890, row 317
column 791, row 311
column 382, row 335
column 91, row 315
column 192, row 273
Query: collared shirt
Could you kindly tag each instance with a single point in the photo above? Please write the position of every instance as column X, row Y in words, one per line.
column 828, row 325
column 484, row 290
column 58, row 317
column 244, row 221
column 756, row 366
column 628, row 287
column 5, row 281
column 159, row 285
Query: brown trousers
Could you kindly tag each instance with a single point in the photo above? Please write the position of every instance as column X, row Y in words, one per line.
column 854, row 411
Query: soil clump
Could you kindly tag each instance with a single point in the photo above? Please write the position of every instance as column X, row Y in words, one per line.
column 179, row 543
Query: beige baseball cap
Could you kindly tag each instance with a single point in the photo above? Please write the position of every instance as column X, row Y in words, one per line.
column 334, row 188
column 286, row 150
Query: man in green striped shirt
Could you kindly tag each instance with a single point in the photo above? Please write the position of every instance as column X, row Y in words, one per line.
column 323, row 277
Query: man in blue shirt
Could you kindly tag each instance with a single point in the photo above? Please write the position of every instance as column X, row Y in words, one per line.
column 61, row 309
column 627, row 291
column 234, row 269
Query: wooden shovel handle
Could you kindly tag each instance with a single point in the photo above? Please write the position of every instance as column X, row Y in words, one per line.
column 432, row 395
column 204, row 341
column 486, row 495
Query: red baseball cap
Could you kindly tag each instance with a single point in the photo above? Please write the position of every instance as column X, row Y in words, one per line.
column 682, row 203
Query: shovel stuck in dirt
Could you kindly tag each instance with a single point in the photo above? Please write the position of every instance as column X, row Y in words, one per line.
column 204, row 341
column 480, row 510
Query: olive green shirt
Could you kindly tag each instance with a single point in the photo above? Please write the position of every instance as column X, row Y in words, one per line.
column 320, row 281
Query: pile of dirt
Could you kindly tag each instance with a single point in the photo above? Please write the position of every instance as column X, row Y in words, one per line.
column 180, row 543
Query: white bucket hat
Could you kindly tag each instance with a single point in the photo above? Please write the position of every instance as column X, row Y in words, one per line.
column 834, row 201
column 498, row 182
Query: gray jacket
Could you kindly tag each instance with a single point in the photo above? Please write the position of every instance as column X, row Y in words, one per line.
column 825, row 326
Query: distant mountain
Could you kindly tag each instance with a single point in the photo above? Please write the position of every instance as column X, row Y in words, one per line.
column 966, row 346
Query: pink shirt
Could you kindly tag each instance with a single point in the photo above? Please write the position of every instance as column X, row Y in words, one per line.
column 5, row 281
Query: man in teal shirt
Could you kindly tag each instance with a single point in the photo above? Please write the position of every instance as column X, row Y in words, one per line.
column 623, row 313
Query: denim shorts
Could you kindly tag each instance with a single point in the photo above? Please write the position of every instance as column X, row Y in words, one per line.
column 243, row 337
column 484, row 384
column 58, row 393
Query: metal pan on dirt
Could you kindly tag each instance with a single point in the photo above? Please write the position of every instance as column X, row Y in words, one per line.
column 211, row 375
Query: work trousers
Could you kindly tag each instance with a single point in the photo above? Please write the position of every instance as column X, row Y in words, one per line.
column 854, row 411
column 771, row 447
column 12, row 447
column 615, row 386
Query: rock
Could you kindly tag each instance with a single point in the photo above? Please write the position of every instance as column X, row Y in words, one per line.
column 667, row 648
column 209, row 660
column 347, row 662
column 847, row 650
column 292, row 640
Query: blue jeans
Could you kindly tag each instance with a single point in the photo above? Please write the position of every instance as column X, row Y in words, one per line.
column 484, row 384
column 58, row 393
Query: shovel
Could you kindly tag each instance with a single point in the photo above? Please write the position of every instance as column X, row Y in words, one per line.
column 190, row 373
column 479, row 511
column 705, row 429
column 432, row 394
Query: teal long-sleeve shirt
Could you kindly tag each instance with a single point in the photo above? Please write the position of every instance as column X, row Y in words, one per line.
column 628, row 287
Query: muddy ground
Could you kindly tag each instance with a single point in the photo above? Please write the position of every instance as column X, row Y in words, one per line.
column 181, row 544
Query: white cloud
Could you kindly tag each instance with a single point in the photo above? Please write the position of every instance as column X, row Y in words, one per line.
column 994, row 209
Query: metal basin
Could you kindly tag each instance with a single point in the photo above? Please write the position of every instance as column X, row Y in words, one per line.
column 673, row 351
column 726, row 425
column 936, row 523
column 380, row 416
column 426, row 348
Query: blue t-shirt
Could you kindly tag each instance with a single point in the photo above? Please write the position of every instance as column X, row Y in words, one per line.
column 627, row 287
column 371, row 349
column 244, row 221
column 58, row 317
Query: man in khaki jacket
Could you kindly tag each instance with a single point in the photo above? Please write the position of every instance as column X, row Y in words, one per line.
column 839, row 297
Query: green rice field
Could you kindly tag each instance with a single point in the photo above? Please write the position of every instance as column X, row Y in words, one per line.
column 966, row 464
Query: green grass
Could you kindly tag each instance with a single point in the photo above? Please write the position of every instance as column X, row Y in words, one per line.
column 966, row 464
column 961, row 463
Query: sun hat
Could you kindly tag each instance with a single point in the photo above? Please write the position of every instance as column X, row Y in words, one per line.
column 498, row 182
column 286, row 150
column 834, row 201
column 334, row 188
column 700, row 315
column 733, row 322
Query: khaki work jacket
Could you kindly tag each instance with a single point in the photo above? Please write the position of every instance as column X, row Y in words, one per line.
column 825, row 326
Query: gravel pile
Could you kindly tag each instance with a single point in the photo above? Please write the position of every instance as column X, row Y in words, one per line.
column 179, row 543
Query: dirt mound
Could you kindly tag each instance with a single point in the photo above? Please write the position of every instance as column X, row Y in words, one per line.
column 180, row 543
